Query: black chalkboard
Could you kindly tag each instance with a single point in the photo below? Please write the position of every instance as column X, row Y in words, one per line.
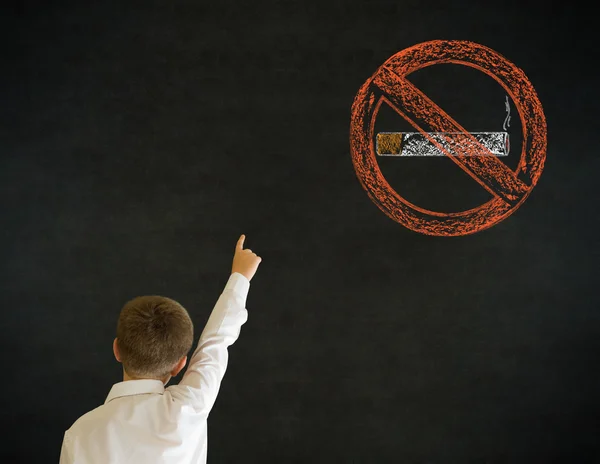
column 139, row 140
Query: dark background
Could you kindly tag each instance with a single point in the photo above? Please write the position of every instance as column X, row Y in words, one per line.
column 140, row 139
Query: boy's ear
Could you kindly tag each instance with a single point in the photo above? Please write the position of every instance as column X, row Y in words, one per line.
column 116, row 350
column 180, row 365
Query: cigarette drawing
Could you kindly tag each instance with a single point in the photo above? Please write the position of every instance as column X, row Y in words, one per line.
column 418, row 144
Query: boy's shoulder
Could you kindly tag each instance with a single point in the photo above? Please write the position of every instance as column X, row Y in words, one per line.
column 91, row 417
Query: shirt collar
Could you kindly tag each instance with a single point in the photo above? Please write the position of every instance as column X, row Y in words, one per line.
column 135, row 387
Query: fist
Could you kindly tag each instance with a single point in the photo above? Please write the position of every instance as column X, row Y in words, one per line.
column 244, row 261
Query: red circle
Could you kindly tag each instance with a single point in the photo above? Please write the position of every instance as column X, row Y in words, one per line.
column 510, row 77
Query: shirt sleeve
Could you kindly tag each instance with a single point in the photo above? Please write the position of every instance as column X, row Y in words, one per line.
column 65, row 452
column 200, row 384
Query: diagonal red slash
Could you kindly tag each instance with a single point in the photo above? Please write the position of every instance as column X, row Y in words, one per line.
column 418, row 109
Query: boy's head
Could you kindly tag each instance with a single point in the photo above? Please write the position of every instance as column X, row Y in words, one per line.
column 154, row 335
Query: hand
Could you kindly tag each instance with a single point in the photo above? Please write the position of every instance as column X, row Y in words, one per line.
column 244, row 261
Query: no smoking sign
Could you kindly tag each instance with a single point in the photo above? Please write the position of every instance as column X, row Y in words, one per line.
column 468, row 150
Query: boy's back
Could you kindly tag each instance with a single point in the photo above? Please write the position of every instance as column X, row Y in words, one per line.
column 141, row 421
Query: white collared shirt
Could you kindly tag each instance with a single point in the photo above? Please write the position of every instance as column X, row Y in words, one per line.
column 142, row 422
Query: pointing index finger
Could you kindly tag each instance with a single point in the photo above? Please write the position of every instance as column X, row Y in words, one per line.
column 240, row 243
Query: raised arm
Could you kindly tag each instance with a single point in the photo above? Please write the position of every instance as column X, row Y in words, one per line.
column 201, row 382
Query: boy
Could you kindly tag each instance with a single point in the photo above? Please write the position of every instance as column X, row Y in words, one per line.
column 141, row 421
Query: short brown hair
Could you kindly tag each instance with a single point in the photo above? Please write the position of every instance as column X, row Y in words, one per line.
column 153, row 334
